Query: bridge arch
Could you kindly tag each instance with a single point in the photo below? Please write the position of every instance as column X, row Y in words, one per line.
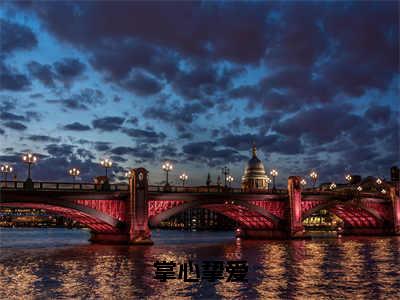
column 246, row 214
column 97, row 221
column 354, row 215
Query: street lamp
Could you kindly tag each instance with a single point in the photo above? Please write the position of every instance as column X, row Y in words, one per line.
column 167, row 166
column 225, row 171
column 183, row 177
column 29, row 159
column 379, row 181
column 268, row 182
column 359, row 188
column 106, row 163
column 128, row 174
column 348, row 178
column 230, row 179
column 74, row 172
column 273, row 173
column 383, row 191
column 314, row 176
column 332, row 186
column 303, row 182
column 5, row 169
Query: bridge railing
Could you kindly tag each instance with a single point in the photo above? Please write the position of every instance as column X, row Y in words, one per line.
column 86, row 186
column 205, row 189
column 63, row 186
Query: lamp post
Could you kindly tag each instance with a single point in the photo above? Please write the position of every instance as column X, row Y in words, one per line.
column 379, row 181
column 314, row 177
column 5, row 169
column 230, row 179
column 303, row 182
column 348, row 178
column 29, row 159
column 128, row 174
column 183, row 177
column 106, row 163
column 268, row 182
column 225, row 171
column 167, row 166
column 273, row 173
column 332, row 186
column 74, row 172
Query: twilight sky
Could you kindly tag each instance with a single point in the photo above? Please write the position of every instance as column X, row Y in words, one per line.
column 314, row 85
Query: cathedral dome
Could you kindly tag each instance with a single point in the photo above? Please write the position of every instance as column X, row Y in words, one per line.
column 254, row 174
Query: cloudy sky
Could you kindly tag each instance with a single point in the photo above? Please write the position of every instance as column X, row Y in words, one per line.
column 314, row 85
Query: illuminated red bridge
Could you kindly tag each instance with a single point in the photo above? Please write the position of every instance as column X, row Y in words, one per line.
column 123, row 213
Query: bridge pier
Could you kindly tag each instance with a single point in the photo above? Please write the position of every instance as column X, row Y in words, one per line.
column 135, row 230
column 395, row 198
column 137, row 210
column 295, row 224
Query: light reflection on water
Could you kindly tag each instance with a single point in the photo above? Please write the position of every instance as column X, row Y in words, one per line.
column 60, row 263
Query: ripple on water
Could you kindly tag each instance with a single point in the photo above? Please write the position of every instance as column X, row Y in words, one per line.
column 60, row 263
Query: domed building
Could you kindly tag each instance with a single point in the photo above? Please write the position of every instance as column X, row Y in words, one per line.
column 254, row 177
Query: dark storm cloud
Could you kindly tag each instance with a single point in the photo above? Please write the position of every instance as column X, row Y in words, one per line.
column 204, row 80
column 108, row 123
column 122, row 150
column 177, row 115
column 142, row 84
column 147, row 136
column 193, row 28
column 84, row 100
column 15, row 125
column 85, row 154
column 12, row 158
column 295, row 64
column 14, row 36
column 27, row 117
column 7, row 116
column 102, row 146
column 133, row 54
column 65, row 71
column 316, row 58
column 133, row 121
column 321, row 125
column 118, row 158
column 69, row 69
column 272, row 143
column 168, row 151
column 211, row 154
column 45, row 170
column 143, row 152
column 76, row 126
column 378, row 113
column 43, row 73
column 312, row 55
column 11, row 79
column 7, row 103
column 59, row 150
column 42, row 138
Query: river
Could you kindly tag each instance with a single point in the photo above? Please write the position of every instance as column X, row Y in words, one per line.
column 62, row 264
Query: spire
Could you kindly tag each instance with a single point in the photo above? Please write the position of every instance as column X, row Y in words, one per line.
column 254, row 150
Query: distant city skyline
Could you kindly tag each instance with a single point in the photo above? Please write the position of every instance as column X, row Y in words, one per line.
column 313, row 85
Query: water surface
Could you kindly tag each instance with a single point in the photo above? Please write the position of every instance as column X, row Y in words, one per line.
column 62, row 264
